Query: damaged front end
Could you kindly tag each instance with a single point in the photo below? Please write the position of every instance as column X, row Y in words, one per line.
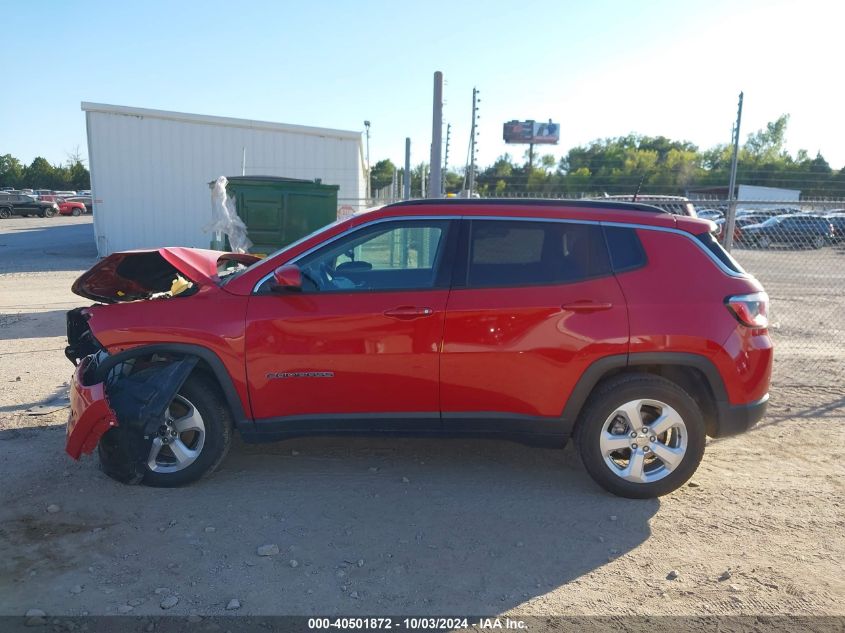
column 121, row 404
column 121, row 392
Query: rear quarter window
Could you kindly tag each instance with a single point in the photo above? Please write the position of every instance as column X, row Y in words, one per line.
column 712, row 245
column 626, row 250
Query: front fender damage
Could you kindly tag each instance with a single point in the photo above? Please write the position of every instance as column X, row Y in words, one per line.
column 138, row 392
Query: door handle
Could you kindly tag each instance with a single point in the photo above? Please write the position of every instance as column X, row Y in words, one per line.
column 587, row 306
column 408, row 312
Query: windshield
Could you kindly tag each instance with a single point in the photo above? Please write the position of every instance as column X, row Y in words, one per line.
column 238, row 272
column 771, row 222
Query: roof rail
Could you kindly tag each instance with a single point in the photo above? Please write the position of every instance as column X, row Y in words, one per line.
column 610, row 205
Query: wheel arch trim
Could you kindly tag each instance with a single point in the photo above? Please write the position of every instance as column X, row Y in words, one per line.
column 602, row 367
column 207, row 356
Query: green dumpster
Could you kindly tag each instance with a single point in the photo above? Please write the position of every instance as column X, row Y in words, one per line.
column 278, row 211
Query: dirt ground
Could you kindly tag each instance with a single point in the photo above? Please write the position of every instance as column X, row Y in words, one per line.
column 375, row 526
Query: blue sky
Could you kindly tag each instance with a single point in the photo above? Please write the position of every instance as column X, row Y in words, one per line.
column 600, row 68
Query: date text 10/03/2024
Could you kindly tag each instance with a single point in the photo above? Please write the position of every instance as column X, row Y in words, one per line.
column 423, row 623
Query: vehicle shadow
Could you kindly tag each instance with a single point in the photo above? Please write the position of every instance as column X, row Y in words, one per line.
column 428, row 525
column 363, row 526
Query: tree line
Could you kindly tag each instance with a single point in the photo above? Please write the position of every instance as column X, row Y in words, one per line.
column 40, row 174
column 654, row 165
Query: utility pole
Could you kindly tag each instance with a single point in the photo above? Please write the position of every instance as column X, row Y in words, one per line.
column 472, row 136
column 369, row 192
column 436, row 184
column 422, row 180
column 446, row 153
column 730, row 220
column 406, row 193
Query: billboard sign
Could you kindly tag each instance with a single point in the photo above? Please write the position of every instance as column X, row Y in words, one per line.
column 531, row 132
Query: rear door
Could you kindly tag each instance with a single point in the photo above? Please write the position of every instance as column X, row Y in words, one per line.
column 533, row 303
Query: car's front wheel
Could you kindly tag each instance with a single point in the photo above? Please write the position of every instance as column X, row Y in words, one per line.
column 5, row 213
column 191, row 442
column 76, row 212
column 641, row 436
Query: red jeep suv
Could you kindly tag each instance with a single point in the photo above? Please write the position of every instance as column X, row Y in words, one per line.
column 617, row 323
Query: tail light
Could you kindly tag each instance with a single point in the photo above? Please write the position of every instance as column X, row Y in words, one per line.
column 752, row 310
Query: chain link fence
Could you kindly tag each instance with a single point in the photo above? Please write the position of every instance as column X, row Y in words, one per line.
column 797, row 251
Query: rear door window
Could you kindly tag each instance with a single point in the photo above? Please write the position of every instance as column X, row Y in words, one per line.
column 525, row 253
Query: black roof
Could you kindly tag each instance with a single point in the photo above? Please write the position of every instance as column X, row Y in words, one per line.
column 534, row 202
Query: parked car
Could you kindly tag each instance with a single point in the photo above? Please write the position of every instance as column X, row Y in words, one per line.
column 740, row 223
column 792, row 230
column 837, row 221
column 618, row 324
column 85, row 200
column 84, row 192
column 676, row 205
column 68, row 207
column 22, row 204
column 710, row 214
column 64, row 194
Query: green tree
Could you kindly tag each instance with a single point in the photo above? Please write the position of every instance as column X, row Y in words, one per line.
column 382, row 173
column 766, row 146
column 11, row 171
column 40, row 174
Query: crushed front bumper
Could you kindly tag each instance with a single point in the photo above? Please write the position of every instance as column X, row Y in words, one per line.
column 90, row 414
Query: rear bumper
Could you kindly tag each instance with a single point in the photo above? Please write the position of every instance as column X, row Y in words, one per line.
column 738, row 418
column 90, row 414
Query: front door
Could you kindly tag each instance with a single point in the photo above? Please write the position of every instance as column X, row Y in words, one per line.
column 361, row 341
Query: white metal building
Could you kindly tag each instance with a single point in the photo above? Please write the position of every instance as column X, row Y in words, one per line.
column 150, row 169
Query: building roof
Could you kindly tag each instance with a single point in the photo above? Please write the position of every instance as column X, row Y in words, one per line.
column 222, row 121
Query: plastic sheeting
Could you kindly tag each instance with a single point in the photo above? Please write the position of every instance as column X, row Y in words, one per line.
column 225, row 220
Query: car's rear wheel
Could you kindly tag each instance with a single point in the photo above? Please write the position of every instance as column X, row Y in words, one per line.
column 76, row 212
column 5, row 213
column 48, row 213
column 819, row 241
column 764, row 242
column 641, row 436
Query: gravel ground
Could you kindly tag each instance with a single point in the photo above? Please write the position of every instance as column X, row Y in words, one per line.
column 370, row 526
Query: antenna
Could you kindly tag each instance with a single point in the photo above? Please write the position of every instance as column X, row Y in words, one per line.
column 637, row 192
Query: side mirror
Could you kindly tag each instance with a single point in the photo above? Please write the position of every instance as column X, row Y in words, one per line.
column 287, row 278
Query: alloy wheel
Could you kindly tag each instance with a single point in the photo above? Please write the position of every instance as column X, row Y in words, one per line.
column 643, row 441
column 179, row 440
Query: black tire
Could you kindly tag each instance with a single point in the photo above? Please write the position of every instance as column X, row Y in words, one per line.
column 48, row 213
column 819, row 242
column 204, row 394
column 605, row 400
column 76, row 212
column 5, row 213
